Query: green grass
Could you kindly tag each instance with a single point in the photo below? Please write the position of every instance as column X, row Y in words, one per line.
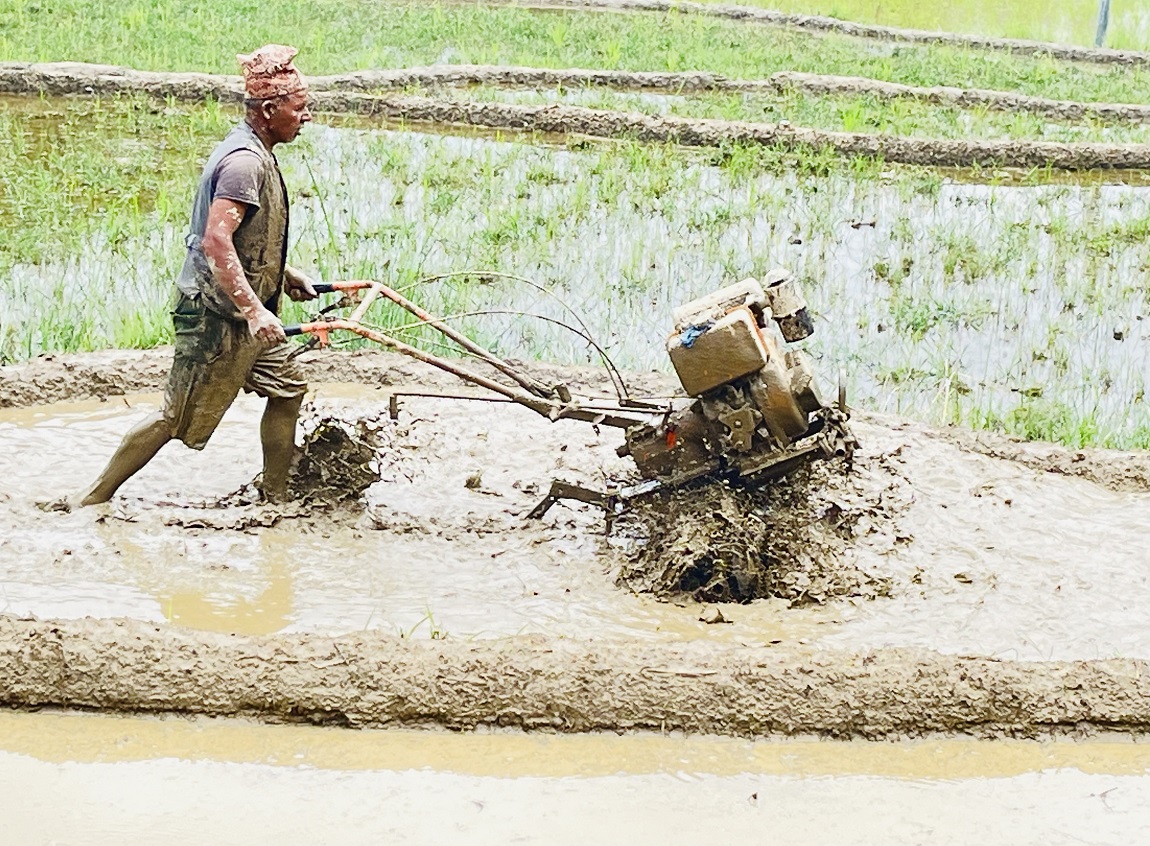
column 1069, row 22
column 99, row 190
column 344, row 35
column 74, row 165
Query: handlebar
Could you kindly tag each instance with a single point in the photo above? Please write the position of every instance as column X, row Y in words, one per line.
column 328, row 288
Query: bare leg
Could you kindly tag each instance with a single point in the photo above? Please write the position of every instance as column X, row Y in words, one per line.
column 139, row 446
column 277, row 433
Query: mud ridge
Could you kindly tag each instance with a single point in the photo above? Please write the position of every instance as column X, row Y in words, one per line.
column 52, row 378
column 702, row 132
column 110, row 374
column 822, row 24
column 701, row 81
column 78, row 78
column 1113, row 469
column 945, row 95
column 367, row 680
column 598, row 123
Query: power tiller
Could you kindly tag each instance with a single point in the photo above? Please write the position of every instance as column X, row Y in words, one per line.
column 751, row 411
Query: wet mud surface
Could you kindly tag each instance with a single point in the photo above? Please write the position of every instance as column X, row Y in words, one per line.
column 557, row 119
column 561, row 686
column 1033, row 559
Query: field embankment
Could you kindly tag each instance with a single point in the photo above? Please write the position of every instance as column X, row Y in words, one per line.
column 563, row 120
column 370, row 681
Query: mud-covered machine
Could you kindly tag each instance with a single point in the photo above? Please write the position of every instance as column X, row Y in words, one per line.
column 751, row 413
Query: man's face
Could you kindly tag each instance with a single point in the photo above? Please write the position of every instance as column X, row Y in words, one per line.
column 287, row 116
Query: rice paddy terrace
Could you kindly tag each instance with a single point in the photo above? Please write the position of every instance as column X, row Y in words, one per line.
column 969, row 216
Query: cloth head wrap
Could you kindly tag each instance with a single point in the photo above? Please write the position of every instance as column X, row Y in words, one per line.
column 269, row 72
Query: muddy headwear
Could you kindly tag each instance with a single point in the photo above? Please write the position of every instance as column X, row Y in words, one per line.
column 269, row 72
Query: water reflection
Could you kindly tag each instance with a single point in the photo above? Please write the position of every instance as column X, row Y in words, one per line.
column 101, row 780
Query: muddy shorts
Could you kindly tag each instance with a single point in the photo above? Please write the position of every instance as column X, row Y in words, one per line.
column 214, row 358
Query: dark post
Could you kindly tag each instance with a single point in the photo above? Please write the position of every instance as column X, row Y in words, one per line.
column 1103, row 22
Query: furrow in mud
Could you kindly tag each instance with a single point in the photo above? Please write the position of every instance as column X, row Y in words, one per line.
column 530, row 683
column 575, row 120
column 822, row 24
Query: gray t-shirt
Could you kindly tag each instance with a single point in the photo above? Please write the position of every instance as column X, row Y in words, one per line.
column 238, row 178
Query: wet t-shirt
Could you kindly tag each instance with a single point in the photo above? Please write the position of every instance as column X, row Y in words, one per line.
column 238, row 178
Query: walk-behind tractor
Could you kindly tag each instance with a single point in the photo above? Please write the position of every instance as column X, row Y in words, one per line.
column 751, row 412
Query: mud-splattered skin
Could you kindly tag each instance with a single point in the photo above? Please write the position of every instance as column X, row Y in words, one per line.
column 224, row 218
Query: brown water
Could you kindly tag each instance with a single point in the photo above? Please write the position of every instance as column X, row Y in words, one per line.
column 989, row 557
column 67, row 778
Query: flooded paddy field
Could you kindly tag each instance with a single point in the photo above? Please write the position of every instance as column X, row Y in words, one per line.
column 964, row 553
column 973, row 298
column 1072, row 23
column 242, row 783
column 998, row 587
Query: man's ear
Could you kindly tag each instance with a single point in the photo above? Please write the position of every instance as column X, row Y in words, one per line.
column 268, row 108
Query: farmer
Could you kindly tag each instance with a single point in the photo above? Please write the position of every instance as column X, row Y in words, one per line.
column 228, row 334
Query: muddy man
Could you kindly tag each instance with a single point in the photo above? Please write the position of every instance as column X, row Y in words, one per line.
column 228, row 335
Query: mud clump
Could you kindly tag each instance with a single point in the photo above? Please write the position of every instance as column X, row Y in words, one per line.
column 339, row 458
column 791, row 540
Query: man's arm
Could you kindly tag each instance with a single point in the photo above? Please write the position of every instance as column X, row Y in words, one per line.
column 224, row 218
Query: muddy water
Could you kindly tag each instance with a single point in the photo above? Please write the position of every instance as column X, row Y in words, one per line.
column 987, row 556
column 92, row 779
column 452, row 561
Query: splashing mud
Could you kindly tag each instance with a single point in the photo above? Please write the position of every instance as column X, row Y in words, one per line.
column 340, row 456
column 792, row 540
